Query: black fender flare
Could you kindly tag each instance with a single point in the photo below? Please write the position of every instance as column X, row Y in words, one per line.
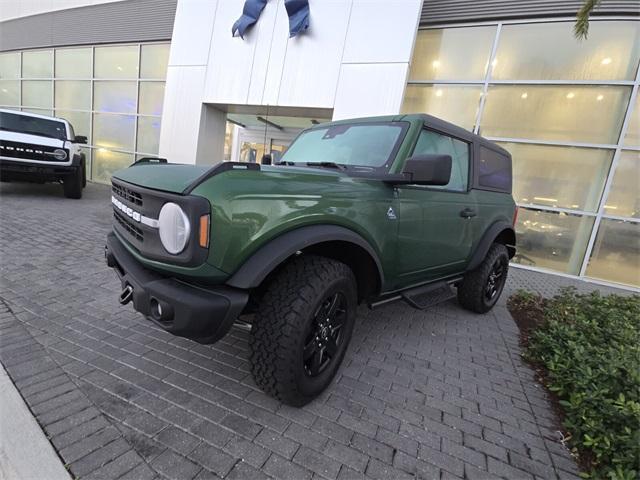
column 256, row 268
column 498, row 228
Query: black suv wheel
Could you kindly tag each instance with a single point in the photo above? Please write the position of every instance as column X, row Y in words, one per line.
column 73, row 184
column 302, row 328
column 480, row 289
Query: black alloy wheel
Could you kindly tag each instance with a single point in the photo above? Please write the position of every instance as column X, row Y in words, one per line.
column 325, row 336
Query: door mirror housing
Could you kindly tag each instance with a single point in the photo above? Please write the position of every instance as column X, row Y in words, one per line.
column 427, row 169
column 80, row 139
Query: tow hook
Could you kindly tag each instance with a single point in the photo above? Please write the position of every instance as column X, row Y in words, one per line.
column 126, row 295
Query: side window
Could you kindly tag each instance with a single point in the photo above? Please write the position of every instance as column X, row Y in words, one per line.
column 433, row 142
column 494, row 170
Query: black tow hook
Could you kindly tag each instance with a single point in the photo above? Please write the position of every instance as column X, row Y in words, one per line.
column 126, row 295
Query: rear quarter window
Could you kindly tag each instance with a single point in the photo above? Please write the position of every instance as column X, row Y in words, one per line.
column 494, row 170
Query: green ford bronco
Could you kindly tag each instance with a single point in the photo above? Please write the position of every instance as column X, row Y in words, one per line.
column 370, row 210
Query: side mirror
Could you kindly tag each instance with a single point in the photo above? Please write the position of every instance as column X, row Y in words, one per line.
column 428, row 169
column 81, row 139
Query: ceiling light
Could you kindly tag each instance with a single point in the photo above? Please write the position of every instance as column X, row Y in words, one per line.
column 119, row 68
column 606, row 61
column 436, row 63
column 570, row 95
column 439, row 93
column 524, row 95
column 495, row 62
column 599, row 97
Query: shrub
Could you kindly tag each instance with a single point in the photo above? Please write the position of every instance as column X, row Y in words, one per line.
column 590, row 347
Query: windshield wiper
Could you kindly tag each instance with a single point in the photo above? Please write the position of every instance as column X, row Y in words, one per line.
column 285, row 162
column 338, row 166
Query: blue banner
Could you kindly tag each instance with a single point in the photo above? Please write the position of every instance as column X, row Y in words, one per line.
column 298, row 11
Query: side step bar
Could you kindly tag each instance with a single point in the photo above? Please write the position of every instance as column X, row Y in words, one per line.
column 428, row 295
column 422, row 297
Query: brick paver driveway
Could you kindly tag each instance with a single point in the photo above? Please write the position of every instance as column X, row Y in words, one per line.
column 436, row 394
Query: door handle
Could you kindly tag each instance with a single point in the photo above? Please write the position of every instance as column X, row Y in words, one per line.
column 468, row 213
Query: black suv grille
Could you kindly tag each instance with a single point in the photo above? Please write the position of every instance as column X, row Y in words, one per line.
column 125, row 223
column 127, row 194
column 30, row 151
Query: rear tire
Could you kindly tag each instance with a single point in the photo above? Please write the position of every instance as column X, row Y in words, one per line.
column 302, row 328
column 72, row 184
column 480, row 289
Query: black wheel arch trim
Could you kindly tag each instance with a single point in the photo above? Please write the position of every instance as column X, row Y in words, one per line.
column 493, row 232
column 269, row 256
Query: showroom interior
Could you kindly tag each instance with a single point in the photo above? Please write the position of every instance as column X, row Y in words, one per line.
column 184, row 89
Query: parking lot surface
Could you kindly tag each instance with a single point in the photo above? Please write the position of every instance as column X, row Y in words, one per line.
column 433, row 394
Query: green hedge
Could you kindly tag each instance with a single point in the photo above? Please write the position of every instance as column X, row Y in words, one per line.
column 590, row 347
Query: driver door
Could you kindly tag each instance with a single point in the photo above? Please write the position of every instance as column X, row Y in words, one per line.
column 436, row 223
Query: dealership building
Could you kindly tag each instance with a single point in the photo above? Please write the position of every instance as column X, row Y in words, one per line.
column 167, row 78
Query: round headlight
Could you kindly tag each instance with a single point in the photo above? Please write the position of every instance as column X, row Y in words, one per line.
column 174, row 228
column 59, row 154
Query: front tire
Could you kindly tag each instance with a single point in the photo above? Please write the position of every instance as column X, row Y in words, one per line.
column 302, row 328
column 72, row 184
column 480, row 289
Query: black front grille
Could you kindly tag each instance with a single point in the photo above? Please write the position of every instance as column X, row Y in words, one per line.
column 126, row 194
column 30, row 151
column 125, row 223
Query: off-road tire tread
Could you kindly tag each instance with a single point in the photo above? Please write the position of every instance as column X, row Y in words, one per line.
column 279, row 323
column 471, row 288
column 72, row 185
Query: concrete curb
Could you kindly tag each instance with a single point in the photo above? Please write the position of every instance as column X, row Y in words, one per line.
column 25, row 452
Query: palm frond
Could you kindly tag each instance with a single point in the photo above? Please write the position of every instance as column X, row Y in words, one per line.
column 581, row 27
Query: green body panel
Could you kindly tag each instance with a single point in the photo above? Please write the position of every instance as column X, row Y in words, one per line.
column 249, row 208
column 416, row 231
column 170, row 177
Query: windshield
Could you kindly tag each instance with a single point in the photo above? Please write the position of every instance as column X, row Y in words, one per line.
column 32, row 125
column 359, row 145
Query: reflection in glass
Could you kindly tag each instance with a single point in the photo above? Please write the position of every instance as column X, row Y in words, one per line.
column 616, row 252
column 567, row 177
column 78, row 120
column 105, row 162
column 73, row 94
column 454, row 103
column 117, row 97
column 113, row 131
column 561, row 113
column 37, row 93
column 452, row 53
column 154, row 60
column 73, row 63
column 549, row 51
column 151, row 98
column 624, row 195
column 148, row 135
column 10, row 92
column 9, row 65
column 37, row 64
column 632, row 138
column 554, row 240
column 116, row 62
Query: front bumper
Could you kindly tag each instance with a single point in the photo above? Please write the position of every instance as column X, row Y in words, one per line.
column 32, row 171
column 202, row 314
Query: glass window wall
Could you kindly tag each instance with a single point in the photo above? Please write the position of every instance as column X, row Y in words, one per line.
column 616, row 252
column 454, row 103
column 624, row 197
column 113, row 95
column 566, row 177
column 559, row 106
column 549, row 51
column 590, row 114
